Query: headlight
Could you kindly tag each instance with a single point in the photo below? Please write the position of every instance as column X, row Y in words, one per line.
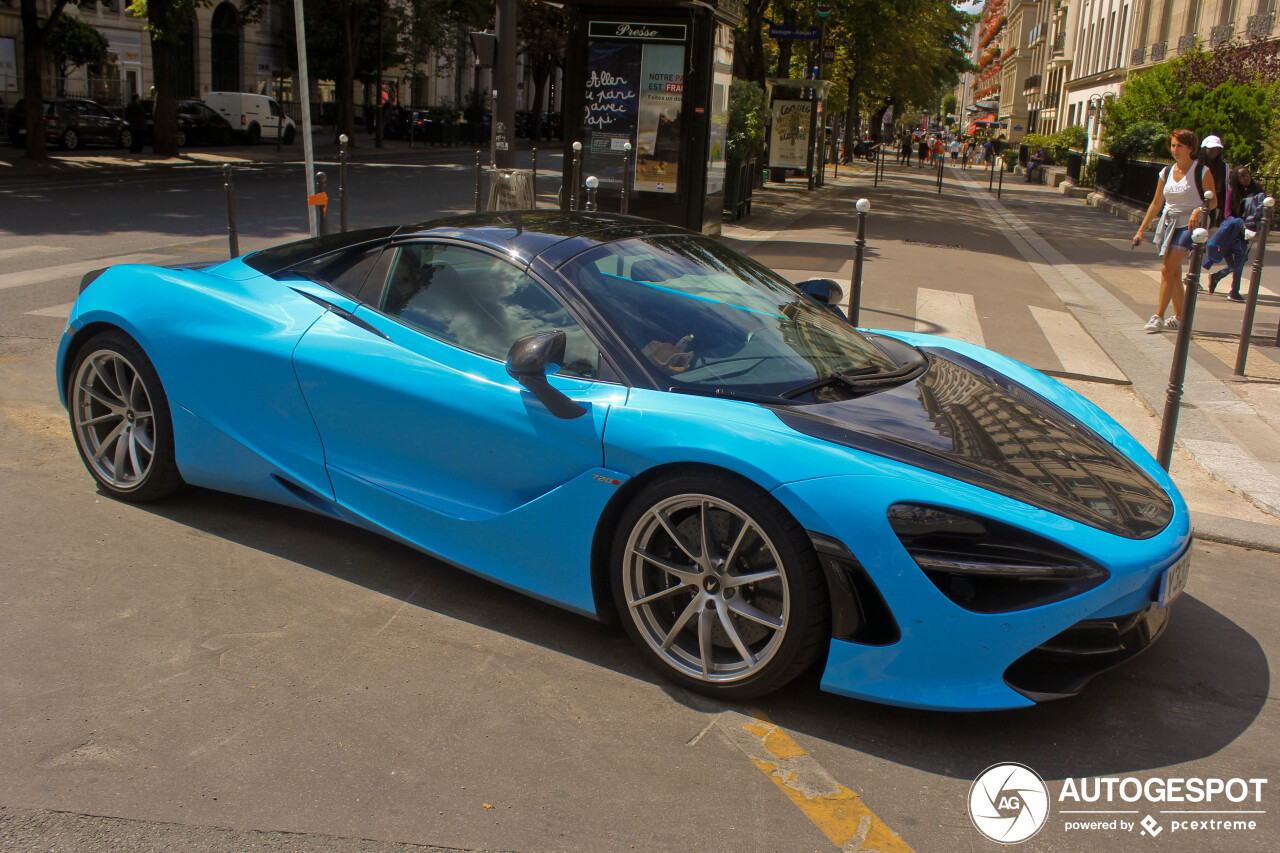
column 988, row 566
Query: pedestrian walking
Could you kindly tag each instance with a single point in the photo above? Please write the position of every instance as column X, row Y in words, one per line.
column 1230, row 244
column 1211, row 158
column 923, row 151
column 135, row 115
column 987, row 150
column 904, row 152
column 955, row 151
column 1179, row 193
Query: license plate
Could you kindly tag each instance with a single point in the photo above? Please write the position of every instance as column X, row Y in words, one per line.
column 1173, row 581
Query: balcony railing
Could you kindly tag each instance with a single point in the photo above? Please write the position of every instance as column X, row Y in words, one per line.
column 1060, row 43
column 1049, row 101
column 1259, row 26
column 1158, row 51
column 1138, row 56
column 1186, row 43
column 1031, row 84
column 1220, row 36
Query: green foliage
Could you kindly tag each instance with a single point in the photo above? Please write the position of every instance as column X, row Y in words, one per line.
column 1238, row 114
column 748, row 119
column 1010, row 157
column 73, row 43
column 1073, row 137
column 1141, row 140
column 1149, row 96
column 1033, row 140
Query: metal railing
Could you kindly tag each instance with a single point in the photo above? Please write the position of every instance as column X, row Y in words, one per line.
column 1220, row 36
column 1060, row 43
column 1259, row 27
column 1138, row 56
column 1158, row 51
column 1186, row 43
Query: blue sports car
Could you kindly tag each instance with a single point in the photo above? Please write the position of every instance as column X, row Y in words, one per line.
column 632, row 421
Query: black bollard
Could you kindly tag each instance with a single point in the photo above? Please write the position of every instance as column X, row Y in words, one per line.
column 875, row 175
column 1181, row 348
column 233, row 234
column 1000, row 186
column 342, row 183
column 626, row 178
column 855, row 286
column 533, row 178
column 1255, row 281
column 320, row 208
column 576, row 186
column 592, row 184
column 940, row 161
column 991, row 174
column 479, row 180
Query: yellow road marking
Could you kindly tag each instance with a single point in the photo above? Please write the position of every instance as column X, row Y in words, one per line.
column 836, row 810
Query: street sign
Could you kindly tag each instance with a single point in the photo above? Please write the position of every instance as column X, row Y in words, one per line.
column 778, row 31
column 824, row 11
column 828, row 54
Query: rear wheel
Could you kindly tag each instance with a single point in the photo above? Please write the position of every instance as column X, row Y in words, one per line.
column 255, row 133
column 120, row 419
column 718, row 586
column 70, row 139
column 288, row 135
column 182, row 138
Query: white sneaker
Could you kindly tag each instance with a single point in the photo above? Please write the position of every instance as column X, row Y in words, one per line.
column 1171, row 324
column 1249, row 235
column 1154, row 324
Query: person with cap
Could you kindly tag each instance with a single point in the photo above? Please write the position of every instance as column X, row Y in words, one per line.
column 1211, row 158
column 1179, row 194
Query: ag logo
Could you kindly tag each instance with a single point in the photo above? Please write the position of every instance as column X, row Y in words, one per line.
column 1008, row 803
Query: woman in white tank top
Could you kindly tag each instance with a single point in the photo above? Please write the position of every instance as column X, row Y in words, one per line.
column 1179, row 204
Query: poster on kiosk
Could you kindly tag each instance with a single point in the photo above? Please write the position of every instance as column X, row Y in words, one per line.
column 634, row 93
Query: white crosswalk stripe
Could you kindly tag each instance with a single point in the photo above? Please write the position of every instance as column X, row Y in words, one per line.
column 1263, row 290
column 60, row 312
column 1078, row 352
column 47, row 274
column 23, row 251
column 952, row 315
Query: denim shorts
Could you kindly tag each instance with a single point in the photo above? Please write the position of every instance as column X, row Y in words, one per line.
column 1179, row 239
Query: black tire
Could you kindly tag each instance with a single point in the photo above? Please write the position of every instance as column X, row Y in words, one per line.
column 690, row 613
column 126, row 139
column 70, row 139
column 288, row 134
column 118, row 409
column 255, row 133
column 182, row 138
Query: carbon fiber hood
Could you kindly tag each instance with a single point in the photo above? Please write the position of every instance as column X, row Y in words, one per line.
column 966, row 421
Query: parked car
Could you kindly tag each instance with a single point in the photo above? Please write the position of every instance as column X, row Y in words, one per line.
column 634, row 422
column 199, row 124
column 73, row 123
column 252, row 117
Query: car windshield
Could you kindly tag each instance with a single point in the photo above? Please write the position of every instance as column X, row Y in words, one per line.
column 709, row 320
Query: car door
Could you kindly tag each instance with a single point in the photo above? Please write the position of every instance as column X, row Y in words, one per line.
column 98, row 124
column 426, row 435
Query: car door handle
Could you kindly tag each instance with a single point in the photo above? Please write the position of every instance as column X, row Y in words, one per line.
column 341, row 312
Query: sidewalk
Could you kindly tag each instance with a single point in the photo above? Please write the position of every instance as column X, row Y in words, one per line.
column 1227, row 454
column 14, row 162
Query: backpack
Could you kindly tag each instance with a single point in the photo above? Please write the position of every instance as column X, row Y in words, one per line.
column 1253, row 211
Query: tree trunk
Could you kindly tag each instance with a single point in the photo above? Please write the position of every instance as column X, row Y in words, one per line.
column 541, row 73
column 784, row 46
column 33, row 75
column 347, row 75
column 164, row 131
column 459, row 67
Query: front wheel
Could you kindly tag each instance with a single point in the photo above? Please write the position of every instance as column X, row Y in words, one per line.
column 182, row 138
column 70, row 139
column 718, row 586
column 120, row 419
column 288, row 135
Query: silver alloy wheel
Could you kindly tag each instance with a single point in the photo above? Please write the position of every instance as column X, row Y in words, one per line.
column 71, row 139
column 706, row 588
column 114, row 422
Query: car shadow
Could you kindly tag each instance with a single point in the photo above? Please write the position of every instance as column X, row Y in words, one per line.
column 1189, row 696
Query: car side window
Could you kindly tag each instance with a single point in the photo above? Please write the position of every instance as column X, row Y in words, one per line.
column 480, row 303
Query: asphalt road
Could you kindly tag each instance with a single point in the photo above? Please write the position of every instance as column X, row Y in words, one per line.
column 216, row 674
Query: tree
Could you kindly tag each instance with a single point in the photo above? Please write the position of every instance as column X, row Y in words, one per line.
column 73, row 43
column 34, row 35
column 167, row 21
column 541, row 29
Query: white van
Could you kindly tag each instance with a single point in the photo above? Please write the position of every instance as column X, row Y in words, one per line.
column 253, row 117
